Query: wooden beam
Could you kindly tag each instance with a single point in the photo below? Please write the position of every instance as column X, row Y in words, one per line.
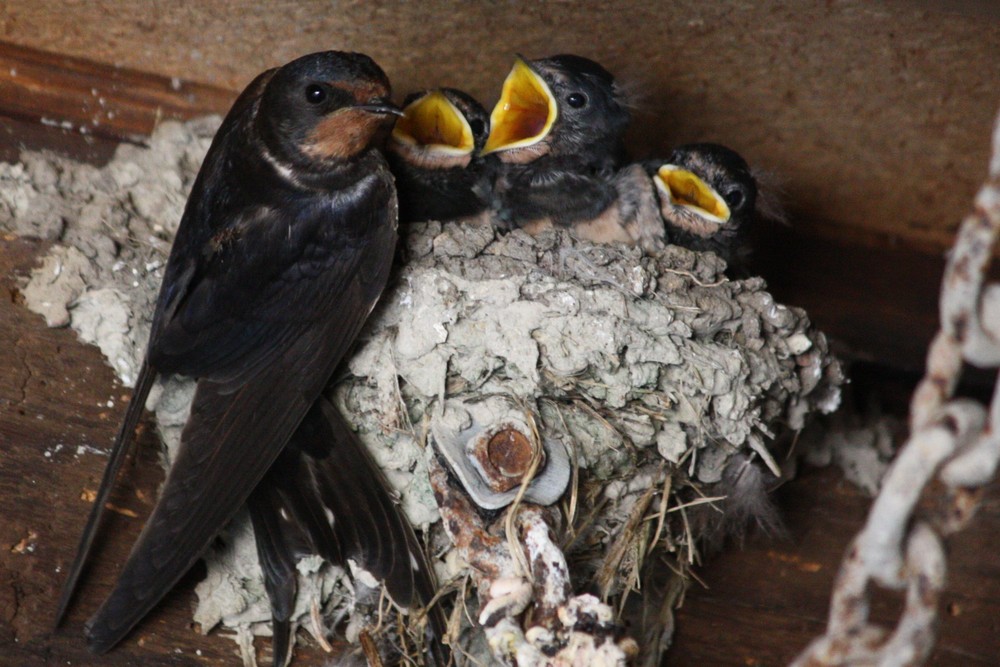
column 877, row 303
column 763, row 604
column 88, row 98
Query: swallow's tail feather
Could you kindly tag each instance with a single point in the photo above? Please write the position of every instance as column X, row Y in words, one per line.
column 210, row 480
column 325, row 491
column 280, row 542
column 119, row 452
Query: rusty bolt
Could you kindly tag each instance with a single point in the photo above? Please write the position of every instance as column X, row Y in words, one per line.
column 510, row 452
column 505, row 457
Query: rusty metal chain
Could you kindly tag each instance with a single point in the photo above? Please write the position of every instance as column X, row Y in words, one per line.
column 954, row 441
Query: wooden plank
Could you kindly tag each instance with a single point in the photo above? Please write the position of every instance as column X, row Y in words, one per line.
column 83, row 110
column 878, row 303
column 89, row 98
column 763, row 604
column 874, row 116
column 19, row 135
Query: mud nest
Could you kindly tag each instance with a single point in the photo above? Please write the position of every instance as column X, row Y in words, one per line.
column 661, row 379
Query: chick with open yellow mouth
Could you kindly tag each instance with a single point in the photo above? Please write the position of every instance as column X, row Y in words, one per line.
column 564, row 105
column 434, row 154
column 707, row 198
column 523, row 118
column 557, row 132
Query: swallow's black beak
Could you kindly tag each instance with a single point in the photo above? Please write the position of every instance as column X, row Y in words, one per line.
column 381, row 107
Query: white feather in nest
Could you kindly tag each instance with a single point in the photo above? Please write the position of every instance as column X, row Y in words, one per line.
column 657, row 375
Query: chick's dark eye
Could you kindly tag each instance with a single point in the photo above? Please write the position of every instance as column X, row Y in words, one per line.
column 576, row 100
column 734, row 198
column 315, row 94
column 477, row 126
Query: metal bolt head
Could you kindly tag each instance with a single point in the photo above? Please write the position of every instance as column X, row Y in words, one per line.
column 505, row 457
column 510, row 452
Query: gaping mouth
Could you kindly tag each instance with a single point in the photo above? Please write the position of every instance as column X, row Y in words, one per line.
column 525, row 112
column 683, row 188
column 433, row 123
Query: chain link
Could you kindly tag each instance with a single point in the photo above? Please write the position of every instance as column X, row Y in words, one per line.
column 953, row 440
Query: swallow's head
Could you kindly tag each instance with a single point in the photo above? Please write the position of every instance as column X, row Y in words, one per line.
column 325, row 108
column 561, row 105
column 704, row 189
column 440, row 129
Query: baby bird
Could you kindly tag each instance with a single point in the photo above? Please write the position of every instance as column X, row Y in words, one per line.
column 707, row 197
column 557, row 132
column 434, row 154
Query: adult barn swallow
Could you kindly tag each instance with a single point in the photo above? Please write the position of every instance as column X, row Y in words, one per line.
column 283, row 249
column 557, row 130
column 707, row 197
column 434, row 154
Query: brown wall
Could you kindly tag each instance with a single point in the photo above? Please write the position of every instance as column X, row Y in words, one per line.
column 875, row 117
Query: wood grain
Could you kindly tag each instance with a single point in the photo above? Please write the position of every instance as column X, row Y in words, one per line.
column 878, row 304
column 763, row 604
column 88, row 98
column 874, row 117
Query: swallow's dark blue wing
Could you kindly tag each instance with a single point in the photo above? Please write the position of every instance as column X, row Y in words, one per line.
column 196, row 229
column 311, row 271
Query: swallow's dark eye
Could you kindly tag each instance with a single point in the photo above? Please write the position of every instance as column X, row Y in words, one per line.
column 576, row 100
column 315, row 94
column 734, row 198
column 477, row 126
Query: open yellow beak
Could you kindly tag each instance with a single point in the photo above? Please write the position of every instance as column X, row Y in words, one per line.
column 432, row 122
column 525, row 112
column 684, row 188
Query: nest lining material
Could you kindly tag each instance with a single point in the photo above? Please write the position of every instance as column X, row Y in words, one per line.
column 647, row 368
